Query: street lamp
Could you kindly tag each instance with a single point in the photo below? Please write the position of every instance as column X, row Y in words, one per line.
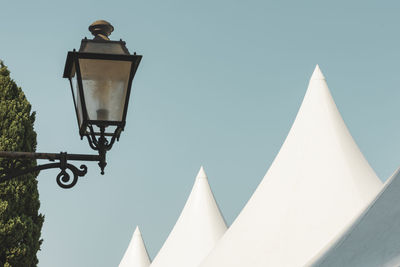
column 100, row 76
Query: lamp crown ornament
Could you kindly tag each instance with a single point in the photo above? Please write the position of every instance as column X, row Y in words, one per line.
column 101, row 29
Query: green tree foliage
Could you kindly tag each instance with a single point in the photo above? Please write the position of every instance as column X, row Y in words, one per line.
column 20, row 221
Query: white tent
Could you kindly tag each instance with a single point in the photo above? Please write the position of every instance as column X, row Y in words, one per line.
column 374, row 237
column 136, row 253
column 317, row 183
column 198, row 228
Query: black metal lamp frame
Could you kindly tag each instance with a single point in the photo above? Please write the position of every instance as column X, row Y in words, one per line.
column 98, row 139
column 73, row 60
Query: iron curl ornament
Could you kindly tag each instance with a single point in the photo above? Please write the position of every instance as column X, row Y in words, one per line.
column 63, row 178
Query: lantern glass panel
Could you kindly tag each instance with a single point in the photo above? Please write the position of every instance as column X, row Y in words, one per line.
column 105, row 84
column 77, row 99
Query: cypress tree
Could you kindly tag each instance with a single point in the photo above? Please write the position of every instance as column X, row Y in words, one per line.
column 20, row 221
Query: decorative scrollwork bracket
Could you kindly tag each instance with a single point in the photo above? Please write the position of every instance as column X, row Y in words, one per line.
column 63, row 179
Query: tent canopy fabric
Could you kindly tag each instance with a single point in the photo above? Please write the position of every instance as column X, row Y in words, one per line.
column 317, row 183
column 195, row 233
column 136, row 253
column 373, row 239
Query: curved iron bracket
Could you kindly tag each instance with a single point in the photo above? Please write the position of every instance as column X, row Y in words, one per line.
column 63, row 179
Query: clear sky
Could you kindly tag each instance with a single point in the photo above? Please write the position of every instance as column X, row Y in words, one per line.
column 219, row 85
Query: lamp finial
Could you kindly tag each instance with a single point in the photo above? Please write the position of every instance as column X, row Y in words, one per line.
column 101, row 29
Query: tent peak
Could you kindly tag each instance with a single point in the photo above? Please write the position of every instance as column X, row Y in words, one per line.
column 317, row 74
column 137, row 231
column 316, row 184
column 136, row 253
column 198, row 228
column 201, row 174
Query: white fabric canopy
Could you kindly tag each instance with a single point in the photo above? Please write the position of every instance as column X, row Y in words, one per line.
column 136, row 253
column 373, row 239
column 198, row 228
column 317, row 183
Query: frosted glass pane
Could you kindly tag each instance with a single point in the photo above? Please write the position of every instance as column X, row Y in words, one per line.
column 77, row 99
column 105, row 84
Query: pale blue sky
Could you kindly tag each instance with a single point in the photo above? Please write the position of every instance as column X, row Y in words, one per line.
column 219, row 85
